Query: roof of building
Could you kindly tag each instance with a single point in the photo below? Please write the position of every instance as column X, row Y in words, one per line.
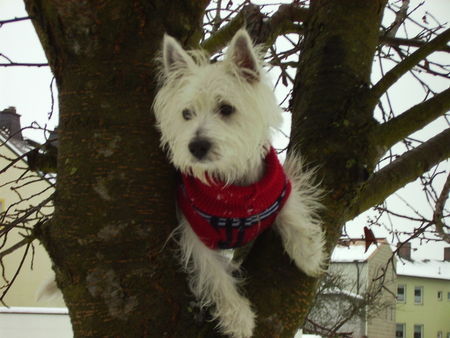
column 354, row 250
column 19, row 147
column 425, row 269
column 339, row 291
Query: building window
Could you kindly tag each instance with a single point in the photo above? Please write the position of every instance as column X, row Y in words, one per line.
column 448, row 298
column 401, row 293
column 439, row 295
column 399, row 330
column 418, row 331
column 418, row 295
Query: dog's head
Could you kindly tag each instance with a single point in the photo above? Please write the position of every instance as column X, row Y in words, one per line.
column 215, row 118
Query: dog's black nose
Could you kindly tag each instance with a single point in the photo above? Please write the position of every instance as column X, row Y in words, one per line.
column 199, row 148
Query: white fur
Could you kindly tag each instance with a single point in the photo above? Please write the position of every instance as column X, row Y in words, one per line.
column 239, row 143
column 298, row 222
column 213, row 284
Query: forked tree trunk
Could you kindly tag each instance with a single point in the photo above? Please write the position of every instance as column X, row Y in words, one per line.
column 331, row 128
column 114, row 205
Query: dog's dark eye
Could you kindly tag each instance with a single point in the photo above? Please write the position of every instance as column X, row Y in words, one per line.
column 226, row 109
column 187, row 114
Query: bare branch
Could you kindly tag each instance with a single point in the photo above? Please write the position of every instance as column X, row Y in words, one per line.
column 22, row 261
column 25, row 241
column 281, row 22
column 400, row 17
column 407, row 64
column 393, row 41
column 223, row 35
column 7, row 227
column 17, row 64
column 43, row 161
column 405, row 169
column 2, row 22
column 412, row 120
column 438, row 212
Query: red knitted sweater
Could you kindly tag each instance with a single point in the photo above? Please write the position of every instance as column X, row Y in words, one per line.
column 229, row 216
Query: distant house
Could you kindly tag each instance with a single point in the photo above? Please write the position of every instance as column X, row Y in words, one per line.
column 21, row 188
column 423, row 296
column 359, row 299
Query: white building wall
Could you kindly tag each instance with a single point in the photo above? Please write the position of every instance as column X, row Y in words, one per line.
column 21, row 322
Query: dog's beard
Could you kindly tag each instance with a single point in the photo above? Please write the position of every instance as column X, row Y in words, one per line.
column 226, row 170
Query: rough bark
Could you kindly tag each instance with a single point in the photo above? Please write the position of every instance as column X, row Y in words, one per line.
column 114, row 200
column 332, row 123
column 330, row 128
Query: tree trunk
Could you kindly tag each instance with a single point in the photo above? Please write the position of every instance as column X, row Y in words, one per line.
column 331, row 121
column 114, row 205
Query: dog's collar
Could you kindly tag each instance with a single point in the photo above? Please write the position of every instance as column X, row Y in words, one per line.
column 228, row 216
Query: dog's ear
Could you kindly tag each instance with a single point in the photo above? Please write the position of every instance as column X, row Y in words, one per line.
column 242, row 55
column 175, row 57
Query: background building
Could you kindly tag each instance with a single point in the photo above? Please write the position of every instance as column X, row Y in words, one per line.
column 423, row 296
column 21, row 188
column 357, row 297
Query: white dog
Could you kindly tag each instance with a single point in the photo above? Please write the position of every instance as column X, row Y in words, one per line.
column 216, row 121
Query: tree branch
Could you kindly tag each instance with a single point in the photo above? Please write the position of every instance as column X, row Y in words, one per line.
column 415, row 118
column 222, row 36
column 251, row 17
column 405, row 169
column 19, row 64
column 7, row 227
column 2, row 22
column 394, row 41
column 438, row 214
column 11, row 63
column 400, row 17
column 407, row 64
column 281, row 22
column 43, row 160
column 25, row 241
column 19, row 267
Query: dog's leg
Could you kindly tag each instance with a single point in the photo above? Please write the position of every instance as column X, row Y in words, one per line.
column 298, row 222
column 213, row 284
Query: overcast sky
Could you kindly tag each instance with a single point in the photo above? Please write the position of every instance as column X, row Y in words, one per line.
column 27, row 88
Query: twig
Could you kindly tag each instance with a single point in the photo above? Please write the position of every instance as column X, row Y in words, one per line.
column 412, row 120
column 8, row 227
column 26, row 240
column 400, row 17
column 18, row 64
column 439, row 209
column 2, row 22
column 408, row 63
column 22, row 261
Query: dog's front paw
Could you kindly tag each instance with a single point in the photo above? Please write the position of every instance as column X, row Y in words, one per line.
column 313, row 266
column 309, row 256
column 237, row 320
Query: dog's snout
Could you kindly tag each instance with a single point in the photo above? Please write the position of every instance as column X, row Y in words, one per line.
column 199, row 148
